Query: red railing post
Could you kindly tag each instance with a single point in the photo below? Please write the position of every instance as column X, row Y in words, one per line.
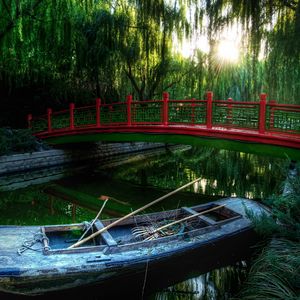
column 165, row 108
column 193, row 111
column 262, row 113
column 72, row 106
column 129, row 100
column 98, row 105
column 29, row 119
column 272, row 108
column 49, row 113
column 229, row 111
column 209, row 109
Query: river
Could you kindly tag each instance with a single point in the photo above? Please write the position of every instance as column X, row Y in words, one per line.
column 223, row 173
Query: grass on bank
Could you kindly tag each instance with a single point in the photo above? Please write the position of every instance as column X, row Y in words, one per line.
column 275, row 274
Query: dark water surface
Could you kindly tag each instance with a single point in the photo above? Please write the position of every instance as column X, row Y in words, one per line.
column 223, row 173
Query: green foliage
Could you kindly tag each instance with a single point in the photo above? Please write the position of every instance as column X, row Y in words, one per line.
column 53, row 52
column 275, row 274
column 31, row 206
column 18, row 141
column 285, row 218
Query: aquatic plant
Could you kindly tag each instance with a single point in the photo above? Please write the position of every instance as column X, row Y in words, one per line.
column 275, row 274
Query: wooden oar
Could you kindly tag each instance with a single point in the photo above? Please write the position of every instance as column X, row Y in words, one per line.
column 95, row 219
column 184, row 219
column 131, row 214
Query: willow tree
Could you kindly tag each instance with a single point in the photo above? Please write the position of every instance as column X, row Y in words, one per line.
column 37, row 43
column 272, row 26
column 76, row 50
column 147, row 49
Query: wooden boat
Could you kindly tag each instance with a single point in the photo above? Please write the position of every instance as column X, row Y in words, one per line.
column 38, row 259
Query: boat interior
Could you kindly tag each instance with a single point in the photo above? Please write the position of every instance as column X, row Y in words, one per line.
column 167, row 225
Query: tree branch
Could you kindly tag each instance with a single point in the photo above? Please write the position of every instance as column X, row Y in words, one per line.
column 12, row 23
column 290, row 4
column 6, row 8
column 131, row 77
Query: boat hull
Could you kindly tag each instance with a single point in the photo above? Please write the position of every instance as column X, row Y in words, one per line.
column 38, row 273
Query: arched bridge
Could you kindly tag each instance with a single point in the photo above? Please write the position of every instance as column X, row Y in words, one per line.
column 263, row 127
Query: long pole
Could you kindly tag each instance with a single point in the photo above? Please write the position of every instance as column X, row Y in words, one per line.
column 131, row 214
column 97, row 216
column 187, row 218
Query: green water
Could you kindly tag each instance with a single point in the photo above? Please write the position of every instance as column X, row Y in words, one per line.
column 223, row 173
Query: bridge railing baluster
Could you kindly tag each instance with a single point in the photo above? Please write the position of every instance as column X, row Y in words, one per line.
column 98, row 112
column 262, row 113
column 229, row 112
column 129, row 101
column 49, row 121
column 29, row 121
column 252, row 117
column 236, row 114
column 72, row 107
column 209, row 108
column 193, row 104
column 272, row 111
column 165, row 113
column 282, row 118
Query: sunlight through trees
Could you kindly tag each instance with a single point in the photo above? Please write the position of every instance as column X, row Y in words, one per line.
column 53, row 52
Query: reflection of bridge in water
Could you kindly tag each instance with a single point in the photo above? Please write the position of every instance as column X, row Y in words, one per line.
column 255, row 127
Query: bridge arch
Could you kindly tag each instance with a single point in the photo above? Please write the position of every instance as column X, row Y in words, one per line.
column 260, row 127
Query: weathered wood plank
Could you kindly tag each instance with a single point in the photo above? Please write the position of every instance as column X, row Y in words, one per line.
column 203, row 218
column 105, row 235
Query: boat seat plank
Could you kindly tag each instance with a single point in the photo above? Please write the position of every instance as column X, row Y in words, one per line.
column 109, row 240
column 201, row 217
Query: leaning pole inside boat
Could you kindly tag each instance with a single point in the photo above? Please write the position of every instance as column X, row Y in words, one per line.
column 131, row 214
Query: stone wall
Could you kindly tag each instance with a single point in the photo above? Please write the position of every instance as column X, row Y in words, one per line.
column 21, row 170
column 36, row 160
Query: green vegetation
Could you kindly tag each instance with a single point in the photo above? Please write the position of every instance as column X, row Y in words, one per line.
column 238, row 174
column 275, row 274
column 53, row 52
column 31, row 206
column 14, row 141
column 90, row 202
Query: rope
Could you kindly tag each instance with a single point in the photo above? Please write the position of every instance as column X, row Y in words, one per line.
column 38, row 237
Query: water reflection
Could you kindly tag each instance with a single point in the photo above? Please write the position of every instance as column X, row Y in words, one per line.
column 223, row 173
column 218, row 284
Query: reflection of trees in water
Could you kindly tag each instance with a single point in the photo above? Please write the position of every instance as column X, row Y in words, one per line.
column 218, row 284
column 223, row 172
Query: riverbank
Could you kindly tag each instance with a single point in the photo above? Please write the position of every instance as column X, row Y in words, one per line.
column 275, row 272
column 22, row 170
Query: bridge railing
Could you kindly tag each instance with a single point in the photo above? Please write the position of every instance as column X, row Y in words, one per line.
column 259, row 116
column 236, row 114
column 282, row 117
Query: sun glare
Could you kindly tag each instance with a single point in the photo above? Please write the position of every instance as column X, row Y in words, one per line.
column 228, row 51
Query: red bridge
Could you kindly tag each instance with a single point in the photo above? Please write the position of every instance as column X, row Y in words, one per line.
column 258, row 127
